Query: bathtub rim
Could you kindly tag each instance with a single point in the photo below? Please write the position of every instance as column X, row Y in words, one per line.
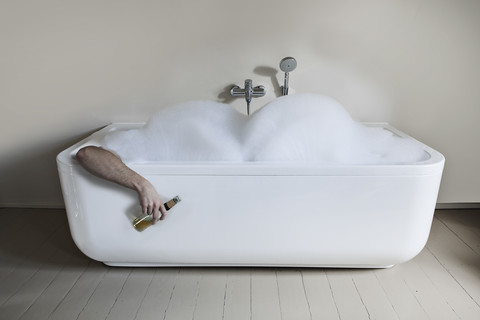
column 432, row 165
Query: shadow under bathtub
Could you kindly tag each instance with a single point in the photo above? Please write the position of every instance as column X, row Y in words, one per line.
column 37, row 238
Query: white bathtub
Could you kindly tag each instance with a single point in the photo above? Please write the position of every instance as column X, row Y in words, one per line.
column 257, row 214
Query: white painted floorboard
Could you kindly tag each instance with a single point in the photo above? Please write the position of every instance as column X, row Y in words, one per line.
column 44, row 276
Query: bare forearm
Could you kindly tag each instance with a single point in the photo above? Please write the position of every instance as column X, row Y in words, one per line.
column 104, row 164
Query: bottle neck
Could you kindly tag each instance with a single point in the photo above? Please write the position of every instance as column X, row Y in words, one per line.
column 171, row 203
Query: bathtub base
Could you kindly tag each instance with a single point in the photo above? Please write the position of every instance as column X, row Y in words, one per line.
column 153, row 265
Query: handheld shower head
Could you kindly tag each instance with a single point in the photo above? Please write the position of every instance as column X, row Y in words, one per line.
column 286, row 65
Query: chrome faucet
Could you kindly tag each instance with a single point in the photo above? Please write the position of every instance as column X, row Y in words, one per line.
column 249, row 92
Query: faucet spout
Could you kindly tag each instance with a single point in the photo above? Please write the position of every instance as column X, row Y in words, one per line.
column 248, row 94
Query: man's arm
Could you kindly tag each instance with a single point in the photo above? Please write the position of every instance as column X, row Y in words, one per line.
column 106, row 165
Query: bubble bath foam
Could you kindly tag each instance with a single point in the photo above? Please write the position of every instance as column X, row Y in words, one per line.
column 257, row 213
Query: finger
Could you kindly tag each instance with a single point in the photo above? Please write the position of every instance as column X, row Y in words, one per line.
column 155, row 213
column 163, row 212
column 150, row 208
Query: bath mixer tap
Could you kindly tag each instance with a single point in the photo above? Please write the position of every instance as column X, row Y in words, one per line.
column 249, row 92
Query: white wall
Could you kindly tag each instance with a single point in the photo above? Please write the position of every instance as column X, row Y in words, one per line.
column 70, row 67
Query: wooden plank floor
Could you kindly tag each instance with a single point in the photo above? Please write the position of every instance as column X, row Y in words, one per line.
column 44, row 276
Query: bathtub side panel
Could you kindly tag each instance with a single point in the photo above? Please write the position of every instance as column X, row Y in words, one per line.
column 300, row 220
column 260, row 220
column 83, row 205
column 73, row 205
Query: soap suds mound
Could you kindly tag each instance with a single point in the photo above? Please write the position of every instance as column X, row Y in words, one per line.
column 317, row 128
column 296, row 128
column 191, row 131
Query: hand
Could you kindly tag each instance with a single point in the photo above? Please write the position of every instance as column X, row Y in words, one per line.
column 150, row 200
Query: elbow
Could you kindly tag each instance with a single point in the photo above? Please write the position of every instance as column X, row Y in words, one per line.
column 84, row 154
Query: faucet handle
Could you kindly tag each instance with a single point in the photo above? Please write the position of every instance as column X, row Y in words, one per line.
column 236, row 91
column 259, row 91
